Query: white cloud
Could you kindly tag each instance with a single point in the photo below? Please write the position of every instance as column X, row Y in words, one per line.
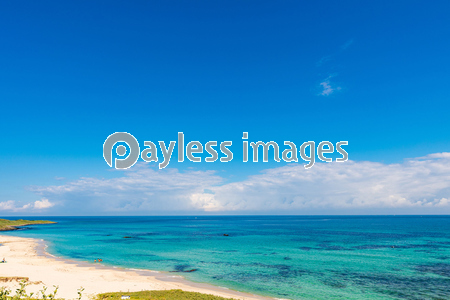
column 141, row 189
column 420, row 183
column 12, row 205
column 350, row 185
column 7, row 205
column 327, row 88
column 44, row 203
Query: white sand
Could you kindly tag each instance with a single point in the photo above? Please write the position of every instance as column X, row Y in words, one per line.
column 23, row 260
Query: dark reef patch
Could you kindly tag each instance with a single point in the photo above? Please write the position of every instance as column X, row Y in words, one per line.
column 441, row 269
column 443, row 257
column 398, row 286
column 334, row 283
column 306, row 248
column 331, row 247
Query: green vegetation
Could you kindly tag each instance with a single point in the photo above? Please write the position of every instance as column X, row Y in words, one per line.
column 161, row 295
column 21, row 294
column 6, row 225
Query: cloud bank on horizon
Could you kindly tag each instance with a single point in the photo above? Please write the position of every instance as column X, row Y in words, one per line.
column 421, row 184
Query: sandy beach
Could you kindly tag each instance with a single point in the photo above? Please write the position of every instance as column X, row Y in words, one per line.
column 27, row 258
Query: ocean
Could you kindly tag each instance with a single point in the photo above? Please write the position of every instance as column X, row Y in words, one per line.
column 291, row 257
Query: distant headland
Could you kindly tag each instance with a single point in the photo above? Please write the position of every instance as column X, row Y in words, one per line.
column 7, row 225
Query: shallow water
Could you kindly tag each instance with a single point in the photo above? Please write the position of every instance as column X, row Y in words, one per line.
column 295, row 257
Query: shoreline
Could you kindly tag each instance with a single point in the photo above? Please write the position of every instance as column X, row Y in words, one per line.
column 27, row 257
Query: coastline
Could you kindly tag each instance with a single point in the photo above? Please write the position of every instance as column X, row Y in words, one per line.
column 27, row 257
column 10, row 225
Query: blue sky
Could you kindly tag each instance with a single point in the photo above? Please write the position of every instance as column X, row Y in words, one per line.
column 372, row 73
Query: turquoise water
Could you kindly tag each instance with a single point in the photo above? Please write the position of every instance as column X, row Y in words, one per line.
column 295, row 257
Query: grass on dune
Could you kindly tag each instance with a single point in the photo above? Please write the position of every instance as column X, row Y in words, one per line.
column 161, row 295
column 45, row 294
